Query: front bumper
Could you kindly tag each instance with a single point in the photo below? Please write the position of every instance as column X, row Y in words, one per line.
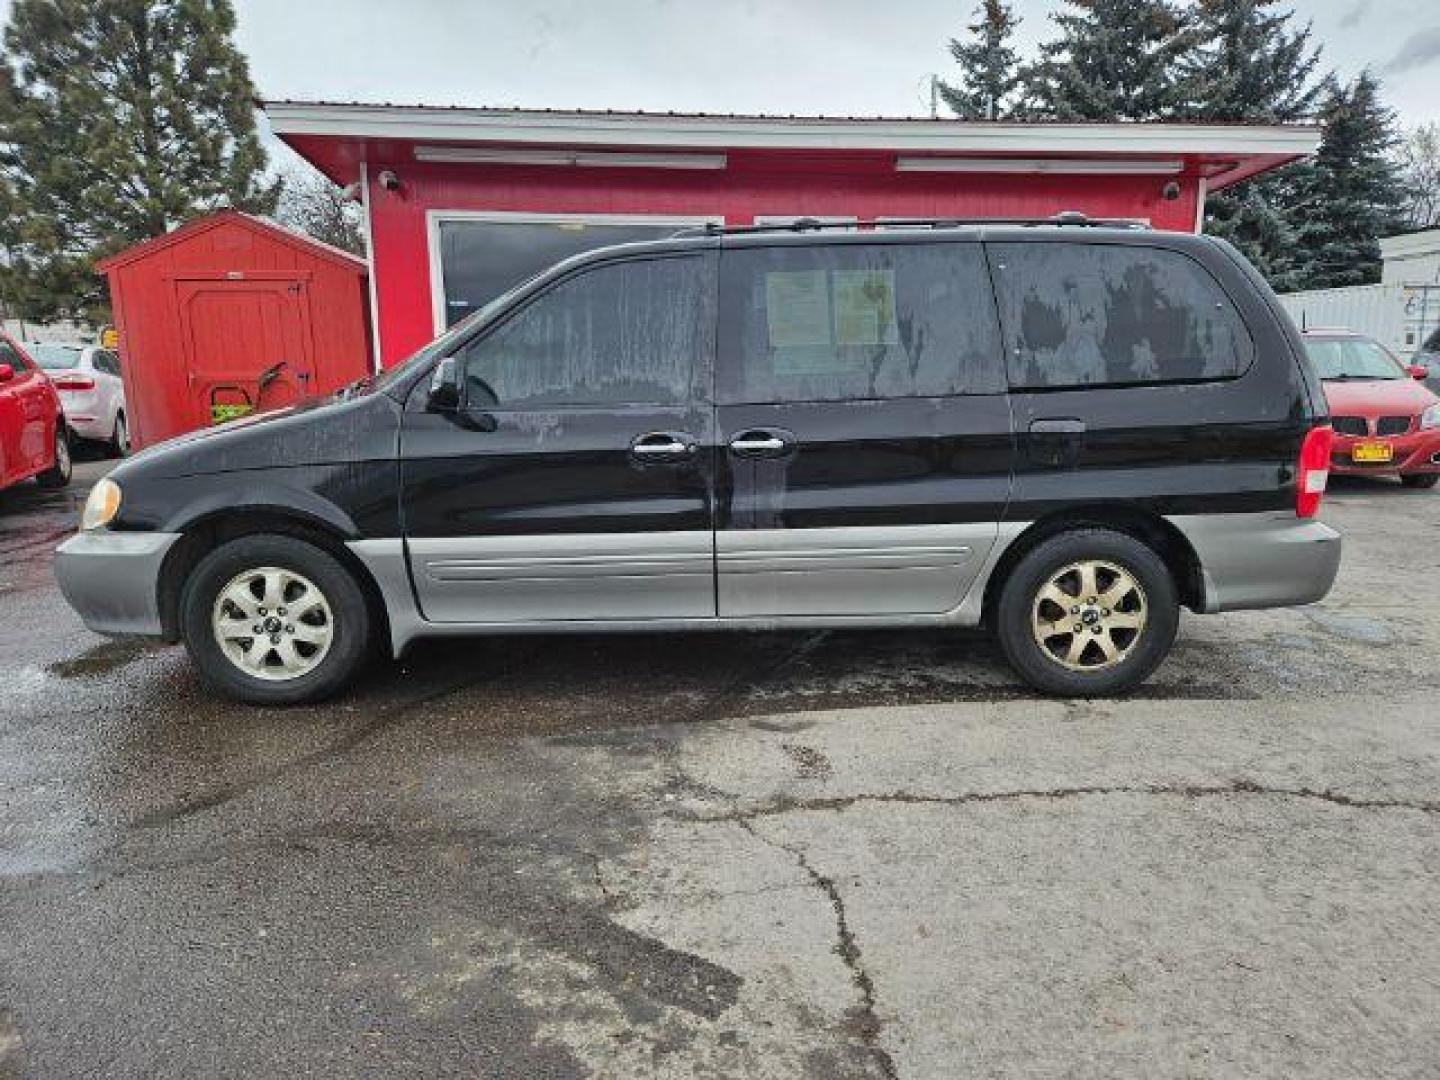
column 1412, row 454
column 1264, row 560
column 112, row 578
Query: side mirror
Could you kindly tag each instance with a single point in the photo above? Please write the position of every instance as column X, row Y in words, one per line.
column 445, row 386
column 6, row 373
column 1418, row 371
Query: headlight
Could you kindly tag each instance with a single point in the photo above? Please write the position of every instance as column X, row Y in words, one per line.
column 101, row 507
column 1430, row 418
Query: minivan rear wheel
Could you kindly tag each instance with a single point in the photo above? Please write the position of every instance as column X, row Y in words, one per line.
column 274, row 620
column 1087, row 613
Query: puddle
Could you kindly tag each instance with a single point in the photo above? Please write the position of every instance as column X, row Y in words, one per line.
column 102, row 659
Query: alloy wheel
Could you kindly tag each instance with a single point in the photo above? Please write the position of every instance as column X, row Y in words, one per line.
column 273, row 623
column 1089, row 616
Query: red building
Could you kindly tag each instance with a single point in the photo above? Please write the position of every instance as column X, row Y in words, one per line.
column 205, row 312
column 463, row 203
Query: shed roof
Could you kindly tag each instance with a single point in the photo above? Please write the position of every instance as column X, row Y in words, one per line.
column 191, row 229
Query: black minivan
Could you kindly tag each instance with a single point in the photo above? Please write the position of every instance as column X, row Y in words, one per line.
column 1059, row 431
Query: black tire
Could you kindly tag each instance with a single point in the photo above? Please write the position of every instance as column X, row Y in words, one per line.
column 120, row 437
column 58, row 475
column 349, row 620
column 1420, row 480
column 1139, row 652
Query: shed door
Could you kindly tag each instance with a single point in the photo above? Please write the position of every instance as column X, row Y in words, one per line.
column 233, row 332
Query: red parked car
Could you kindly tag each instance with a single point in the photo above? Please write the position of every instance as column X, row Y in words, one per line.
column 1386, row 422
column 33, row 438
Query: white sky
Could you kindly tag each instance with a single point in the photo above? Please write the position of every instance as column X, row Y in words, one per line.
column 861, row 57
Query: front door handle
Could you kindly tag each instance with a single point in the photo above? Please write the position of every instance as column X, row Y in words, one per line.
column 663, row 446
column 761, row 442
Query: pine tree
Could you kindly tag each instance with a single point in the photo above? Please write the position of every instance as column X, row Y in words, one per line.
column 1113, row 60
column 1246, row 63
column 989, row 67
column 119, row 119
column 1350, row 194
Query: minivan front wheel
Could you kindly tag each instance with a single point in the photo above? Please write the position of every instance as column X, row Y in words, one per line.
column 274, row 620
column 1087, row 613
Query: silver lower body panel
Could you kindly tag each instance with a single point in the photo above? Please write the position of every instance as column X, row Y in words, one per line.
column 1271, row 559
column 112, row 579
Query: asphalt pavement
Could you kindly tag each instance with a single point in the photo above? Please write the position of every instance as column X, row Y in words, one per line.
column 839, row 854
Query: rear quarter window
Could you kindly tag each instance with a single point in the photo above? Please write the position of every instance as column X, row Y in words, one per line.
column 1077, row 314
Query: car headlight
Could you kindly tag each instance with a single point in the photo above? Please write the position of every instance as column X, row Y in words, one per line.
column 1430, row 418
column 101, row 507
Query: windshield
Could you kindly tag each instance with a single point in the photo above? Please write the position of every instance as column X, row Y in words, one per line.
column 54, row 357
column 438, row 347
column 1337, row 359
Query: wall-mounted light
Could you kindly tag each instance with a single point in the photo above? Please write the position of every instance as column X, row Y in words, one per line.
column 388, row 180
column 1171, row 191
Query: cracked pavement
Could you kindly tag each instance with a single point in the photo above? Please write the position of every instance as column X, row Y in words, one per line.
column 825, row 855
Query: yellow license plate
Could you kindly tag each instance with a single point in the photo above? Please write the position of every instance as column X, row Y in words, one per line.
column 1371, row 453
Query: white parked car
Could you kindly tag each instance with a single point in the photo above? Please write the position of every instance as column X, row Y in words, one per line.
column 91, row 390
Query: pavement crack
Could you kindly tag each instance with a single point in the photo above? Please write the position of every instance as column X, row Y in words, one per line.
column 788, row 805
column 864, row 1021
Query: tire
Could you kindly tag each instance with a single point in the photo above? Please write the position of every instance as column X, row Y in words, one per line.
column 1137, row 633
column 313, row 650
column 58, row 475
column 1420, row 480
column 120, row 437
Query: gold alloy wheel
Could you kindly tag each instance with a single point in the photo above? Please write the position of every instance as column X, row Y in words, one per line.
column 1089, row 616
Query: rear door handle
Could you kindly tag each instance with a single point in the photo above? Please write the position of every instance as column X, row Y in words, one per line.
column 761, row 442
column 1065, row 426
column 663, row 446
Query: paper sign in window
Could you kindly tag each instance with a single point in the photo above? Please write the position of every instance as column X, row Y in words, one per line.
column 797, row 308
column 865, row 307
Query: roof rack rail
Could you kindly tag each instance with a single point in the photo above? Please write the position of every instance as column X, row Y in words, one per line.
column 1070, row 218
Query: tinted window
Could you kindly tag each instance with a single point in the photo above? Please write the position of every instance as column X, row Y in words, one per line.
column 1081, row 314
column 625, row 333
column 107, row 362
column 855, row 322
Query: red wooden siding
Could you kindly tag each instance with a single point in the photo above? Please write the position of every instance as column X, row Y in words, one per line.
column 290, row 296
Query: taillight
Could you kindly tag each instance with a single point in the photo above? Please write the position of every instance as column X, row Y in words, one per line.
column 74, row 382
column 1314, row 470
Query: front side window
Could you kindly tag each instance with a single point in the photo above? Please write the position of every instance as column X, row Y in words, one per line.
column 855, row 322
column 1080, row 314
column 619, row 334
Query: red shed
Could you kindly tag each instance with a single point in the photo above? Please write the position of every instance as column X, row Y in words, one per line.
column 463, row 202
column 203, row 312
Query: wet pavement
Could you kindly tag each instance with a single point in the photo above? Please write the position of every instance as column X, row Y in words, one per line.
column 805, row 854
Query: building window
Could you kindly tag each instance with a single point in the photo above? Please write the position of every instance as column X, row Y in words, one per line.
column 478, row 257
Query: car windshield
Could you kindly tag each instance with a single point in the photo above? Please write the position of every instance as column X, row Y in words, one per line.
column 1339, row 359
column 438, row 347
column 54, row 357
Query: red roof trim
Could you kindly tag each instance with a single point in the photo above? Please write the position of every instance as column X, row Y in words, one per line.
column 254, row 224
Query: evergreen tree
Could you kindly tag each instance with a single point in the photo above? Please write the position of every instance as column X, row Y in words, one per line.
column 1246, row 63
column 989, row 67
column 1350, row 194
column 119, row 119
column 1113, row 60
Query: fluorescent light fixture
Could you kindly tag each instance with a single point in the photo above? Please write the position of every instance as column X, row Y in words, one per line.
column 474, row 155
column 1056, row 166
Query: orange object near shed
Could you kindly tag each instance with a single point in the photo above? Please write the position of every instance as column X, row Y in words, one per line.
column 231, row 314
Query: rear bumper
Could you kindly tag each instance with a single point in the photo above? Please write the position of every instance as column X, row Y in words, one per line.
column 111, row 579
column 1262, row 560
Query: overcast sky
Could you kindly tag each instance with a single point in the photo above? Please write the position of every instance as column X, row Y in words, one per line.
column 862, row 57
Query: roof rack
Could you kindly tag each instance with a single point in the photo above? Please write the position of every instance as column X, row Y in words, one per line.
column 1070, row 218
